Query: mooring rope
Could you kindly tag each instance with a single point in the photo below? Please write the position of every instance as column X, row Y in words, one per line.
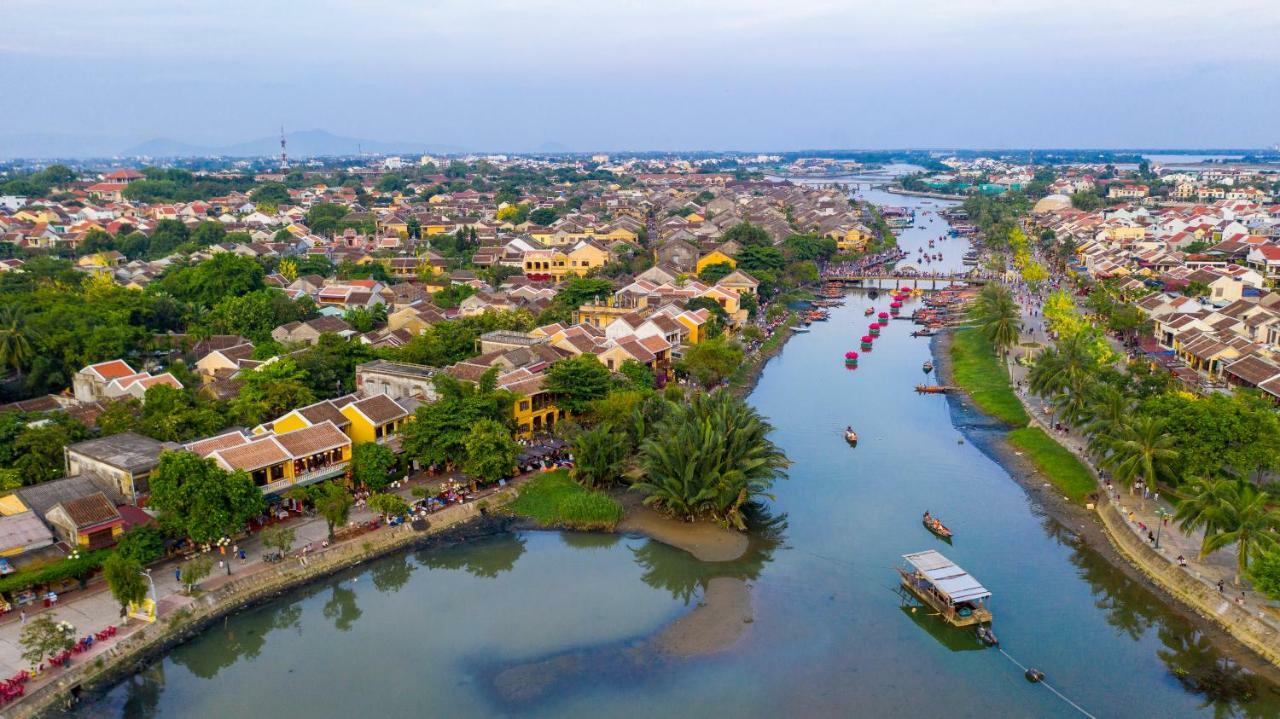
column 1016, row 663
column 1048, row 686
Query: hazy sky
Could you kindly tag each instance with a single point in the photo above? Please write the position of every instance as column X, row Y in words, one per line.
column 649, row 74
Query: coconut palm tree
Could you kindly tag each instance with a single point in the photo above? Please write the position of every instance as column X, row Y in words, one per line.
column 710, row 458
column 1003, row 324
column 598, row 455
column 1206, row 507
column 1109, row 408
column 1141, row 450
column 16, row 351
column 1066, row 365
column 1248, row 521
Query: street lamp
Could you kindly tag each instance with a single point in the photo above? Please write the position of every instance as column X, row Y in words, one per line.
column 1161, row 516
column 155, row 600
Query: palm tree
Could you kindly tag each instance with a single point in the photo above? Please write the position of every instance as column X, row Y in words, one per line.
column 16, row 351
column 598, row 456
column 1141, row 450
column 1207, row 507
column 710, row 458
column 1244, row 519
column 1066, row 365
column 1109, row 408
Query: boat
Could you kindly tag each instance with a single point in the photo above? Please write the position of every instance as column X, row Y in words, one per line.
column 800, row 330
column 933, row 389
column 922, row 333
column 932, row 524
column 850, row 436
column 986, row 636
column 869, row 311
column 927, row 367
column 951, row 591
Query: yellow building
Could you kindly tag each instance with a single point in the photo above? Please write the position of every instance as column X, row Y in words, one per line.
column 850, row 239
column 714, row 257
column 376, row 419
column 278, row 461
column 534, row 409
column 557, row 264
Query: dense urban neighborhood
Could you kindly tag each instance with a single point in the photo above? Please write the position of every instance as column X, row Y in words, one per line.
column 319, row 362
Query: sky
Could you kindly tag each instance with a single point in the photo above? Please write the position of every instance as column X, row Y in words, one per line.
column 600, row 75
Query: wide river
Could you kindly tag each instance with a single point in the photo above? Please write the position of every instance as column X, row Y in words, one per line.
column 429, row 633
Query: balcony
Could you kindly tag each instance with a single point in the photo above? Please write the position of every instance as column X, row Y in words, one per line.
column 319, row 475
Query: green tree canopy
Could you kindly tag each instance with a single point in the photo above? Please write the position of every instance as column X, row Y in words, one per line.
column 577, row 381
column 200, row 499
column 491, row 453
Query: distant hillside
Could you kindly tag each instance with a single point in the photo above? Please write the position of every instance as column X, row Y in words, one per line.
column 306, row 143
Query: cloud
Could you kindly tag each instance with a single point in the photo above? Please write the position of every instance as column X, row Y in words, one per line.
column 648, row 73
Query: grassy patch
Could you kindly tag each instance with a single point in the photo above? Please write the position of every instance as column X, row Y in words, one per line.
column 1062, row 467
column 977, row 370
column 554, row 500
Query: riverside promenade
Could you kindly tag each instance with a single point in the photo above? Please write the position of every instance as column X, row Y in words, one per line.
column 1134, row 517
column 93, row 609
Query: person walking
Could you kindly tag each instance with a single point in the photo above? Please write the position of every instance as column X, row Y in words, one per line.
column 22, row 616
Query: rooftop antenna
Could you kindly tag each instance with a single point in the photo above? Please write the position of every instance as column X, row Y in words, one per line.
column 284, row 155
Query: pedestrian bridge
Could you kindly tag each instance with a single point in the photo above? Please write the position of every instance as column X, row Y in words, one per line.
column 921, row 280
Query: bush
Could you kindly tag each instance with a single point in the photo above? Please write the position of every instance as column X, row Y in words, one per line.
column 555, row 500
column 1063, row 468
column 976, row 369
column 59, row 570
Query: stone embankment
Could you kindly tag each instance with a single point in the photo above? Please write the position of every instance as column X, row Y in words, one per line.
column 1255, row 633
column 131, row 653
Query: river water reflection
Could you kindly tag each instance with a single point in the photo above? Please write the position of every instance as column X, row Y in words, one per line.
column 436, row 632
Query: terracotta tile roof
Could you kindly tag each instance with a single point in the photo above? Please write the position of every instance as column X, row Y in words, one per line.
column 380, row 409
column 91, row 510
column 205, row 447
column 253, row 455
column 112, row 370
column 324, row 411
column 313, row 440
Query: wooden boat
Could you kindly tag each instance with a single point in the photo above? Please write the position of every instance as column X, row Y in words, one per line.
column 922, row 333
column 933, row 389
column 869, row 311
column 850, row 436
column 927, row 367
column 952, row 592
column 933, row 525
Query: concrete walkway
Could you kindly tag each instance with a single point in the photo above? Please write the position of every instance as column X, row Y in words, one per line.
column 93, row 609
column 1144, row 514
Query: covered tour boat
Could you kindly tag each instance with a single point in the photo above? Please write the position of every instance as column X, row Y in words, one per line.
column 938, row 582
column 932, row 389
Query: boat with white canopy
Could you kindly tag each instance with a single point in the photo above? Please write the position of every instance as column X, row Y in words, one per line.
column 944, row 586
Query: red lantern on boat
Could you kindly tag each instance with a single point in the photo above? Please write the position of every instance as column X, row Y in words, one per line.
column 884, row 315
column 851, row 355
column 894, row 306
column 904, row 289
column 867, row 339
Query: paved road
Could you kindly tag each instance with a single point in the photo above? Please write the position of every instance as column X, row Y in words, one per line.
column 1145, row 513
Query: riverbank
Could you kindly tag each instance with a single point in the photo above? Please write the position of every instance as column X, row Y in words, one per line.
column 1230, row 630
column 974, row 367
column 922, row 193
column 137, row 648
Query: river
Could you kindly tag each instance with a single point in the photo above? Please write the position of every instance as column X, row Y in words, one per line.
column 436, row 632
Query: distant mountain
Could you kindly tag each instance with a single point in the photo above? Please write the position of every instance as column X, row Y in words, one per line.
column 306, row 143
